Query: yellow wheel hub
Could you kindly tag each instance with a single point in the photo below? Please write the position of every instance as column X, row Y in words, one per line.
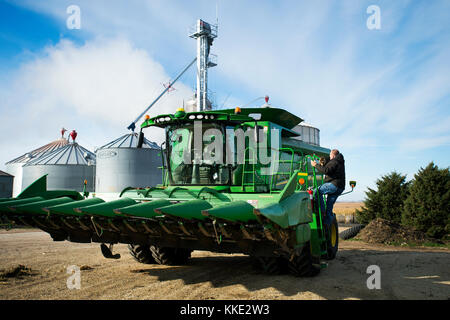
column 333, row 235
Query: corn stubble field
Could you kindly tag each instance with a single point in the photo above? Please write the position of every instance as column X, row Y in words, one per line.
column 345, row 211
column 346, row 208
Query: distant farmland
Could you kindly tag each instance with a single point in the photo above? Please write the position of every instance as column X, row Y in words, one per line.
column 346, row 208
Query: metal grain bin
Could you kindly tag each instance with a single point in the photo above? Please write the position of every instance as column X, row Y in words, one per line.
column 121, row 164
column 6, row 185
column 67, row 168
column 14, row 167
column 308, row 133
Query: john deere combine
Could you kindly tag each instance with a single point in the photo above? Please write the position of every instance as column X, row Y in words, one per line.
column 235, row 181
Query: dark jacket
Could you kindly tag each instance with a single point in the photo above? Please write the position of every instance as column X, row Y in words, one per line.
column 335, row 171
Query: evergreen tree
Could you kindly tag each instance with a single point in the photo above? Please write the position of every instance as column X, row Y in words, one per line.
column 387, row 201
column 427, row 208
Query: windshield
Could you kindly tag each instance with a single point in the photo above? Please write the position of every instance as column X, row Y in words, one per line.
column 196, row 154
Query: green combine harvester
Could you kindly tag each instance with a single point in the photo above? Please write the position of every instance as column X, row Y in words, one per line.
column 234, row 181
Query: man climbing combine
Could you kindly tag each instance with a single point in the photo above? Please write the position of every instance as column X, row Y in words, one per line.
column 334, row 185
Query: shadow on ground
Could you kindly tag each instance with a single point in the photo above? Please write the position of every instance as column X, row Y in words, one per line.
column 404, row 275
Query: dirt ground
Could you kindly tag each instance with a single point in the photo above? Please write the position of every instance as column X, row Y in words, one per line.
column 406, row 273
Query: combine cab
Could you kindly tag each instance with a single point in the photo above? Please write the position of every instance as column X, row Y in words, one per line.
column 234, row 181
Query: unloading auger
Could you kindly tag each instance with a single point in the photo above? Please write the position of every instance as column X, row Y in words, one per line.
column 217, row 195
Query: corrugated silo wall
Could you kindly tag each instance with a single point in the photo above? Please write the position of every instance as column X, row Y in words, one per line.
column 118, row 168
column 6, row 186
column 309, row 135
column 60, row 177
column 15, row 169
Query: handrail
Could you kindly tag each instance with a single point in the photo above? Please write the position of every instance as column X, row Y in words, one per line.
column 291, row 161
column 183, row 189
column 254, row 158
column 310, row 157
column 164, row 167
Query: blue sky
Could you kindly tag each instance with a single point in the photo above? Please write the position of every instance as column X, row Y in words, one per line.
column 382, row 97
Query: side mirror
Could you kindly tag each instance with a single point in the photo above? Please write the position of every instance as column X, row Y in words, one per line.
column 352, row 184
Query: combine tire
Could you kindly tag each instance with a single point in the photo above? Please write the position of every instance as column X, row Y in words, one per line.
column 141, row 253
column 332, row 240
column 170, row 256
column 302, row 265
column 273, row 265
column 350, row 232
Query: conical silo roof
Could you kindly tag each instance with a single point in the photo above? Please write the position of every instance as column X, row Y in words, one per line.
column 70, row 154
column 129, row 140
column 5, row 174
column 36, row 153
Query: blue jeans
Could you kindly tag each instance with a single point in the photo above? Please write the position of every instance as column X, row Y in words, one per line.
column 332, row 193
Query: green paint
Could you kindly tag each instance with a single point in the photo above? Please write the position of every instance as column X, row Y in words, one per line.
column 37, row 208
column 68, row 208
column 106, row 209
column 187, row 210
column 4, row 206
column 237, row 211
column 143, row 209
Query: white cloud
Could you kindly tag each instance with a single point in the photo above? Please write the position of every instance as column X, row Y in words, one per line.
column 98, row 88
